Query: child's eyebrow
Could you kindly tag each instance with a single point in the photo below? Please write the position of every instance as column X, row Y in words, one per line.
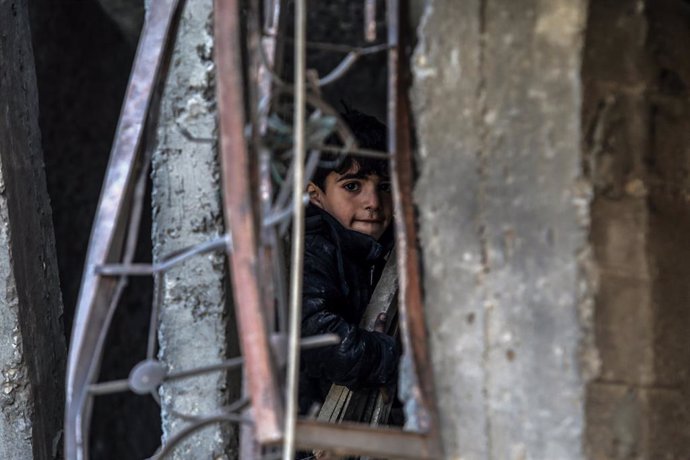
column 357, row 175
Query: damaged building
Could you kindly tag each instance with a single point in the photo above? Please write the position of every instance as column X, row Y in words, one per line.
column 539, row 151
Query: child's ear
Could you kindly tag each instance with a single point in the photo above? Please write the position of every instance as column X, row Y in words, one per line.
column 315, row 195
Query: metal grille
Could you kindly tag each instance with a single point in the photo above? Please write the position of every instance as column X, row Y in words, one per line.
column 263, row 190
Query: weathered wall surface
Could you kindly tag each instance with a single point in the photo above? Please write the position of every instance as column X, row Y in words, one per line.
column 637, row 139
column 187, row 210
column 503, row 224
column 32, row 352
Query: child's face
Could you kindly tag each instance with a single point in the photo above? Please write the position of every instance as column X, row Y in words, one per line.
column 361, row 203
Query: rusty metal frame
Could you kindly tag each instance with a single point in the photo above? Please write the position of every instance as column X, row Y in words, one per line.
column 242, row 212
column 412, row 322
column 240, row 203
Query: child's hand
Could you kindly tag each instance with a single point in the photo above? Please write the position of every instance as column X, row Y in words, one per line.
column 380, row 323
column 387, row 391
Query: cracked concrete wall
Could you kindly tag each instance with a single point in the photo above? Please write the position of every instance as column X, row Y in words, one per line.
column 187, row 210
column 32, row 353
column 504, row 215
column 16, row 403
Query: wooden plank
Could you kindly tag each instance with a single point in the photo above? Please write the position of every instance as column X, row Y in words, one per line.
column 341, row 403
column 357, row 439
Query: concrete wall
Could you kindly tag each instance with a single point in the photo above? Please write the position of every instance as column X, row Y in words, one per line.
column 186, row 211
column 637, row 139
column 32, row 351
column 503, row 214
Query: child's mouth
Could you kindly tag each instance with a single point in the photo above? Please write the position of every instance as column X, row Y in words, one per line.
column 369, row 221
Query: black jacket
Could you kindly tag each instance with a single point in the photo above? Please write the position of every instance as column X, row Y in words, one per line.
column 341, row 268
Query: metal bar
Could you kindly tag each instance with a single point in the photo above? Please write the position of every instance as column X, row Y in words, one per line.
column 340, row 70
column 104, row 388
column 312, row 163
column 153, row 319
column 357, row 439
column 353, row 54
column 339, row 48
column 352, row 151
column 260, row 93
column 105, row 243
column 224, row 365
column 297, row 232
column 238, row 203
column 283, row 197
column 183, row 433
column 236, row 406
column 411, row 309
column 169, row 261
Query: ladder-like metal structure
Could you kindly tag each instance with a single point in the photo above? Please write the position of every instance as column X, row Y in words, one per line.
column 258, row 213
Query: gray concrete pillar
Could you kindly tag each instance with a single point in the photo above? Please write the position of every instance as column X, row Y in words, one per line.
column 504, row 216
column 187, row 210
column 32, row 349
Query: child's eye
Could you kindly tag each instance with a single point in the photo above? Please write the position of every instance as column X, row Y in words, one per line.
column 385, row 187
column 352, row 186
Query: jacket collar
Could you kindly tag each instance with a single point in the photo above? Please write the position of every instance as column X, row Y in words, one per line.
column 354, row 244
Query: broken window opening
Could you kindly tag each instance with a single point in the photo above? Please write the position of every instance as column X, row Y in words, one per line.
column 256, row 194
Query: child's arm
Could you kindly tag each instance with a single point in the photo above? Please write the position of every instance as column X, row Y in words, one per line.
column 363, row 358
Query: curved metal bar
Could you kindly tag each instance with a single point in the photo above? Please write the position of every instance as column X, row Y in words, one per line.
column 182, row 434
column 353, row 54
column 95, row 304
column 235, row 406
column 227, row 364
column 169, row 261
column 278, row 216
column 339, row 70
column 312, row 163
column 337, row 47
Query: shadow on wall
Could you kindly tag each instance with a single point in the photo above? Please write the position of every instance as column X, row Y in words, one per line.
column 82, row 63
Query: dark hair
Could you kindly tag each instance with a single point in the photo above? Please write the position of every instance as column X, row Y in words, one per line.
column 370, row 134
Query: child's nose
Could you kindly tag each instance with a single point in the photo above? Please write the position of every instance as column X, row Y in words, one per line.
column 372, row 200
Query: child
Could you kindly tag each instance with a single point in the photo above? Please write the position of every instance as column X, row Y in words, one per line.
column 347, row 235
